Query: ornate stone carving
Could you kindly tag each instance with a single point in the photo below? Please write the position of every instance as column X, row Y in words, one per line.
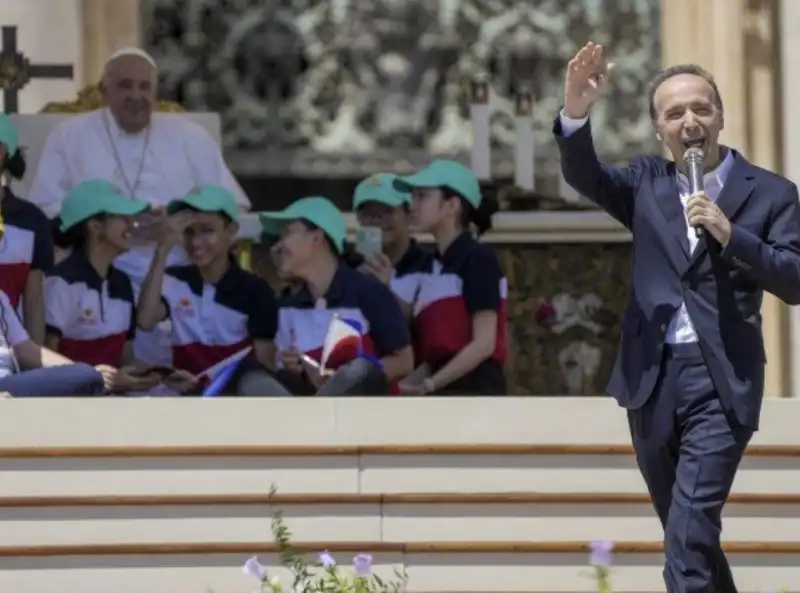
column 90, row 99
column 349, row 87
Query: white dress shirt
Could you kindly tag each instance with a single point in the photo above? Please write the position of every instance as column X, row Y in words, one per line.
column 680, row 330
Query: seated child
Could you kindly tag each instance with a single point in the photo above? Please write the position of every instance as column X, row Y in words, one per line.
column 460, row 311
column 312, row 235
column 29, row 370
column 89, row 304
column 27, row 251
column 216, row 308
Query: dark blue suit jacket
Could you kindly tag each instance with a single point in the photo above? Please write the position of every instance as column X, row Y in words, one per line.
column 723, row 289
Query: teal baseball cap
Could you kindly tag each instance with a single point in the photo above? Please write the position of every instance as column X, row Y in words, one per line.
column 94, row 197
column 319, row 211
column 380, row 188
column 9, row 134
column 442, row 173
column 207, row 198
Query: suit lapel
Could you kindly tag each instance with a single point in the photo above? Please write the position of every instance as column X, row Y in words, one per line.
column 736, row 189
column 669, row 201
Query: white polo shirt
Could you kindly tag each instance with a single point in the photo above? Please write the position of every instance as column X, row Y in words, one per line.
column 11, row 333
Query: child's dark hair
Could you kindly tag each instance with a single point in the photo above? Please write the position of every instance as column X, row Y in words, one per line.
column 351, row 257
column 312, row 227
column 74, row 238
column 481, row 216
column 15, row 165
column 227, row 219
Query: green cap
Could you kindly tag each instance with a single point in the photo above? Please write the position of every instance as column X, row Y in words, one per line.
column 8, row 134
column 93, row 197
column 380, row 188
column 449, row 174
column 319, row 211
column 207, row 198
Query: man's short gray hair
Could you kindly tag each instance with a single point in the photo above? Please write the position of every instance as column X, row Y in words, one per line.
column 671, row 71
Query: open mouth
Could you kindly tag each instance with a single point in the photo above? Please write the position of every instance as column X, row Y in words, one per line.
column 694, row 143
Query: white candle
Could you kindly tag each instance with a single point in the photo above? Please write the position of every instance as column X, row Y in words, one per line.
column 524, row 148
column 481, row 161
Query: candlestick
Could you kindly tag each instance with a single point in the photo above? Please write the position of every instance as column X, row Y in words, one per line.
column 481, row 158
column 524, row 148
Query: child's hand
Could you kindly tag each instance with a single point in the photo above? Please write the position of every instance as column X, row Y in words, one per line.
column 172, row 228
column 127, row 379
column 181, row 381
column 109, row 374
column 291, row 360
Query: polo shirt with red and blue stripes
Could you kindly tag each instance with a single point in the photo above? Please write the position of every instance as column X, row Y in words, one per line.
column 92, row 316
column 212, row 321
column 459, row 283
column 303, row 322
column 27, row 245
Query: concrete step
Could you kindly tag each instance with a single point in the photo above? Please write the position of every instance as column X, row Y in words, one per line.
column 357, row 469
column 432, row 567
column 410, row 517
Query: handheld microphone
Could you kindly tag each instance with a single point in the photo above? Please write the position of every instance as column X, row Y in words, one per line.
column 693, row 160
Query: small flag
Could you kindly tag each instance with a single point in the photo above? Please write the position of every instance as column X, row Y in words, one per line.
column 221, row 379
column 343, row 334
column 221, row 372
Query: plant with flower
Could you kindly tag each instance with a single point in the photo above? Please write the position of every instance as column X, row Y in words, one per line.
column 320, row 574
column 600, row 561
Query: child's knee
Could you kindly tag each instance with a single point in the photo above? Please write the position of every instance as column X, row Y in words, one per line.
column 89, row 379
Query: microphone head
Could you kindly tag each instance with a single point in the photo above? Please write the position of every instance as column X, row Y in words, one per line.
column 693, row 155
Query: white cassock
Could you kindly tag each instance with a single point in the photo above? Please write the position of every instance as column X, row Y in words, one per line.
column 157, row 165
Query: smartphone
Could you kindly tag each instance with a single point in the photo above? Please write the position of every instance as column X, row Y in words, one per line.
column 369, row 240
column 162, row 371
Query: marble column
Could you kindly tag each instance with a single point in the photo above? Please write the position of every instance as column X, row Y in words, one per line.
column 107, row 26
column 734, row 40
column 47, row 32
column 789, row 12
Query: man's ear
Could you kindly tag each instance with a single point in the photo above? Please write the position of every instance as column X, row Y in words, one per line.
column 721, row 121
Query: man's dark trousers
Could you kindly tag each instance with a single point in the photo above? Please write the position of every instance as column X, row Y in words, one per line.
column 688, row 449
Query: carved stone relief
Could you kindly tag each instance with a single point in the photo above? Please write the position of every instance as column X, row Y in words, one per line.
column 349, row 87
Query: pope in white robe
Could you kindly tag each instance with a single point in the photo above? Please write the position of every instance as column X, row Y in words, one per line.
column 154, row 157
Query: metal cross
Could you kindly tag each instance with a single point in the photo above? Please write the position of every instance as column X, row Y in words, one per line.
column 16, row 70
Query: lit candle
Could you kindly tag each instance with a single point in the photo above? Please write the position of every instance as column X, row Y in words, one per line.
column 481, row 136
column 524, row 150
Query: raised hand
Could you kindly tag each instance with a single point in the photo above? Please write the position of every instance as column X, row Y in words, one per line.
column 172, row 227
column 587, row 74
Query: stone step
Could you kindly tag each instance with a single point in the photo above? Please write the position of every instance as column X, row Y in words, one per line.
column 408, row 517
column 357, row 469
column 432, row 567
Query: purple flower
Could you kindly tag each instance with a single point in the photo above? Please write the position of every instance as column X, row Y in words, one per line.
column 601, row 553
column 326, row 559
column 255, row 569
column 363, row 564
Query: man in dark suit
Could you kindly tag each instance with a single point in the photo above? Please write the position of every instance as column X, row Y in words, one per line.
column 690, row 368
